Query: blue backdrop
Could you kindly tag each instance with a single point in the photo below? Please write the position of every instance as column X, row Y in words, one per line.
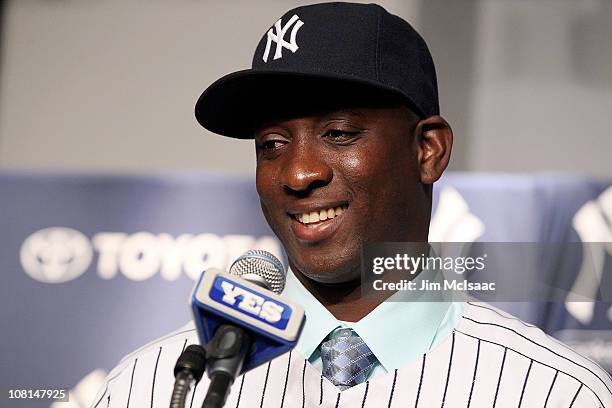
column 97, row 266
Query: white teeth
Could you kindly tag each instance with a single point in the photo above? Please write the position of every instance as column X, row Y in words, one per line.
column 322, row 215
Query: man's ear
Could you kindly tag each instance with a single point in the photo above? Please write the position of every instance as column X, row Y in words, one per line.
column 435, row 141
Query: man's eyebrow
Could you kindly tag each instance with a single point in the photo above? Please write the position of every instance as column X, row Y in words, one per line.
column 326, row 115
column 343, row 111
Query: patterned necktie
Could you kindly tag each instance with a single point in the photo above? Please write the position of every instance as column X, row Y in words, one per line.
column 347, row 360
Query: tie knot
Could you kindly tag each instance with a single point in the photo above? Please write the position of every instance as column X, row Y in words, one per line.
column 343, row 333
column 347, row 360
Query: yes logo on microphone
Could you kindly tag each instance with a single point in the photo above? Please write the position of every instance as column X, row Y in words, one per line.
column 273, row 322
column 256, row 304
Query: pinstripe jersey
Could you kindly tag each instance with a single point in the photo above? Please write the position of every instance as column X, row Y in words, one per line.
column 491, row 359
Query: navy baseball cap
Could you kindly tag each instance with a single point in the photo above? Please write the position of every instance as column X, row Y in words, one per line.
column 323, row 53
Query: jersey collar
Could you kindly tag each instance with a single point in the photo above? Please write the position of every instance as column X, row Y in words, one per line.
column 397, row 331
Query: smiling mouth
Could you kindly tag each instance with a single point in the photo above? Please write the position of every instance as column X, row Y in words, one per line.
column 318, row 217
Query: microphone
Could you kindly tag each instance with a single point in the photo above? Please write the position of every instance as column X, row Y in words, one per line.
column 242, row 319
column 188, row 370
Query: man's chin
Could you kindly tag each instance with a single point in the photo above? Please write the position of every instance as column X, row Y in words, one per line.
column 328, row 274
column 326, row 280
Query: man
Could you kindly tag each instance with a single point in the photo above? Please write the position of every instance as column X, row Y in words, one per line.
column 342, row 103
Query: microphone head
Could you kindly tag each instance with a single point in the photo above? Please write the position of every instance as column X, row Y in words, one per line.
column 261, row 268
column 192, row 359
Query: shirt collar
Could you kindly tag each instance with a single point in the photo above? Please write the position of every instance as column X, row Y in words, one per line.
column 397, row 331
column 319, row 321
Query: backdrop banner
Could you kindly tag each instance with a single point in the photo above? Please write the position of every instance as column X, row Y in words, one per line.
column 97, row 266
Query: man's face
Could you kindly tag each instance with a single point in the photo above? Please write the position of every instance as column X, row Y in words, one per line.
column 329, row 182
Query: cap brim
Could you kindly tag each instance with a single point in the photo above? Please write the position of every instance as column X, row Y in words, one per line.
column 237, row 103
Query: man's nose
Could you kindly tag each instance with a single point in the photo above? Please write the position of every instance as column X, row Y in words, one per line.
column 305, row 170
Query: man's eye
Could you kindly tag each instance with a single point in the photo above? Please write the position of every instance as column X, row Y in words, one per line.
column 340, row 135
column 271, row 144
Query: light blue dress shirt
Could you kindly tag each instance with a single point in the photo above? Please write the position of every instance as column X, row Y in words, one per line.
column 397, row 331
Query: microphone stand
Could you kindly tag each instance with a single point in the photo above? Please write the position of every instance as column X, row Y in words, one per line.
column 188, row 370
column 226, row 353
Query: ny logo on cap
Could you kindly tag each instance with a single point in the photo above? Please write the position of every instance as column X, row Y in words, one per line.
column 279, row 37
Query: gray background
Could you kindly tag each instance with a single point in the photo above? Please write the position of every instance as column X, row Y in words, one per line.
column 109, row 85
